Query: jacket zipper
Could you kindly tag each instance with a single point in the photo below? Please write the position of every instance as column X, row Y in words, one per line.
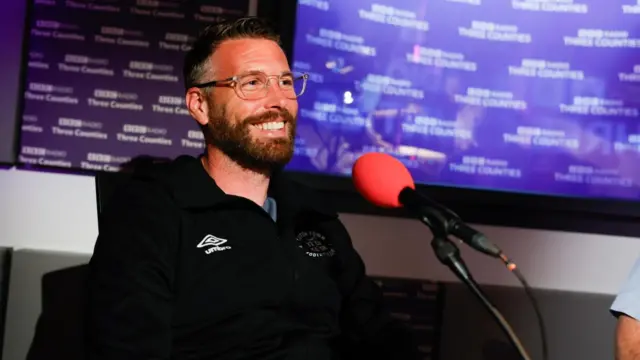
column 290, row 255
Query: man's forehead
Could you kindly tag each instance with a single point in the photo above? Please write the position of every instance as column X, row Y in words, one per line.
column 249, row 55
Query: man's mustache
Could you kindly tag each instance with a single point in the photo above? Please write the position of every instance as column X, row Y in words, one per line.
column 283, row 114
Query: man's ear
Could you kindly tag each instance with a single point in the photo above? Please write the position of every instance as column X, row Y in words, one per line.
column 197, row 105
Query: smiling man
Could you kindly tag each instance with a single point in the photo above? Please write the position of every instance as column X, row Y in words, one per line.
column 223, row 257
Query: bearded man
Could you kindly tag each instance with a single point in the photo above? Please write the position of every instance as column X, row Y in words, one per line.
column 221, row 256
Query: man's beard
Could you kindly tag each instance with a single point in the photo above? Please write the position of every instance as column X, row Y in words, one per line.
column 234, row 140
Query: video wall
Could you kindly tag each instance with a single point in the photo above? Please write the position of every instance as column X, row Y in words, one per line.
column 104, row 80
column 538, row 96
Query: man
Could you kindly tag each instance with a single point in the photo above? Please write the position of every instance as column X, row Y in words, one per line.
column 627, row 310
column 223, row 257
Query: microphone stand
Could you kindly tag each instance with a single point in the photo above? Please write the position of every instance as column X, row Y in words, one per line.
column 448, row 254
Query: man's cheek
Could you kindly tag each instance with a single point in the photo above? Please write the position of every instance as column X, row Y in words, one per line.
column 293, row 110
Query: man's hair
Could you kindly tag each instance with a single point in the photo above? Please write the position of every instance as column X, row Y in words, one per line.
column 195, row 64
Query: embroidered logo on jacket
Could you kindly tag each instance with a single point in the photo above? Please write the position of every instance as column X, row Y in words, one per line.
column 315, row 244
column 213, row 243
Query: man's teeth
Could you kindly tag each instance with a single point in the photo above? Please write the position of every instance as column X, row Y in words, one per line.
column 274, row 125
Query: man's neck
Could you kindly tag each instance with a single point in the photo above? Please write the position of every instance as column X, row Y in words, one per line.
column 235, row 180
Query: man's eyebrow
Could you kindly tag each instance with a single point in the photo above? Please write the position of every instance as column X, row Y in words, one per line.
column 259, row 71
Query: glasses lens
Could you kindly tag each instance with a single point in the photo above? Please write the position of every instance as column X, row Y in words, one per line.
column 254, row 86
column 293, row 85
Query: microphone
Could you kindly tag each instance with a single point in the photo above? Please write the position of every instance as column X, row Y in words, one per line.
column 385, row 182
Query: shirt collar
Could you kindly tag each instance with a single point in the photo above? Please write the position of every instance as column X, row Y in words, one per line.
column 192, row 187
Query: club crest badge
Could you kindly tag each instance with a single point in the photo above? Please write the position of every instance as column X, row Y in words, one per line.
column 315, row 244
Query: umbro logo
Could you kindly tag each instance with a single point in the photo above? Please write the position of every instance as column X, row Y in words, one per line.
column 213, row 243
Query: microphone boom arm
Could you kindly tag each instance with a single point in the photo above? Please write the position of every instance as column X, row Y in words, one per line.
column 448, row 254
column 432, row 213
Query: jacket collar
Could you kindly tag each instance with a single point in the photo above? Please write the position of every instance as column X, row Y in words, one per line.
column 191, row 187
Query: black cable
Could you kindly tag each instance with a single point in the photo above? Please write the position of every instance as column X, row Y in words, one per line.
column 447, row 252
column 511, row 266
column 511, row 335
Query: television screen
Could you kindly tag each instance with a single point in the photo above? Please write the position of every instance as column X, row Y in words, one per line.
column 103, row 80
column 533, row 96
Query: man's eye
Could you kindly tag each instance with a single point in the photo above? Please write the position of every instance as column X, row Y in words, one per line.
column 251, row 83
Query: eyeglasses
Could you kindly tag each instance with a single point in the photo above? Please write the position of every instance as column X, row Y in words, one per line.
column 255, row 85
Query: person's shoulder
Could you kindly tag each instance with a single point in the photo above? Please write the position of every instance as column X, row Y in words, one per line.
column 145, row 182
column 627, row 301
column 140, row 215
column 160, row 170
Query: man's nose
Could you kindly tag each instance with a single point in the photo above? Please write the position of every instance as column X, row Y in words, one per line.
column 275, row 96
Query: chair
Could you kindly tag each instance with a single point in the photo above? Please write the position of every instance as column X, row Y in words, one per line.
column 107, row 183
column 45, row 306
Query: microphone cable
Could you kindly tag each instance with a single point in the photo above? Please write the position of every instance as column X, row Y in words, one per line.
column 512, row 267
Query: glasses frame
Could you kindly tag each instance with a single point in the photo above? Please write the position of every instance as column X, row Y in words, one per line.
column 233, row 83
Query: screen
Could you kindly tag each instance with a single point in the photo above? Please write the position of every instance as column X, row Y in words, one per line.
column 104, row 80
column 536, row 96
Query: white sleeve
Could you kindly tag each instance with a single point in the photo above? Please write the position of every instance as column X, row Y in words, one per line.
column 627, row 301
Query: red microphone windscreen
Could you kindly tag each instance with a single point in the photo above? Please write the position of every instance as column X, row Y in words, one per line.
column 380, row 178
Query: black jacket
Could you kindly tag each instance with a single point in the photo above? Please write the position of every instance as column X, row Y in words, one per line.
column 183, row 271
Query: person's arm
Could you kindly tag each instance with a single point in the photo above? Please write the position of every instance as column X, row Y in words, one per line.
column 626, row 308
column 131, row 276
column 627, row 338
column 368, row 330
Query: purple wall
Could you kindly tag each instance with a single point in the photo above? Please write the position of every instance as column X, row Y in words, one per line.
column 11, row 27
